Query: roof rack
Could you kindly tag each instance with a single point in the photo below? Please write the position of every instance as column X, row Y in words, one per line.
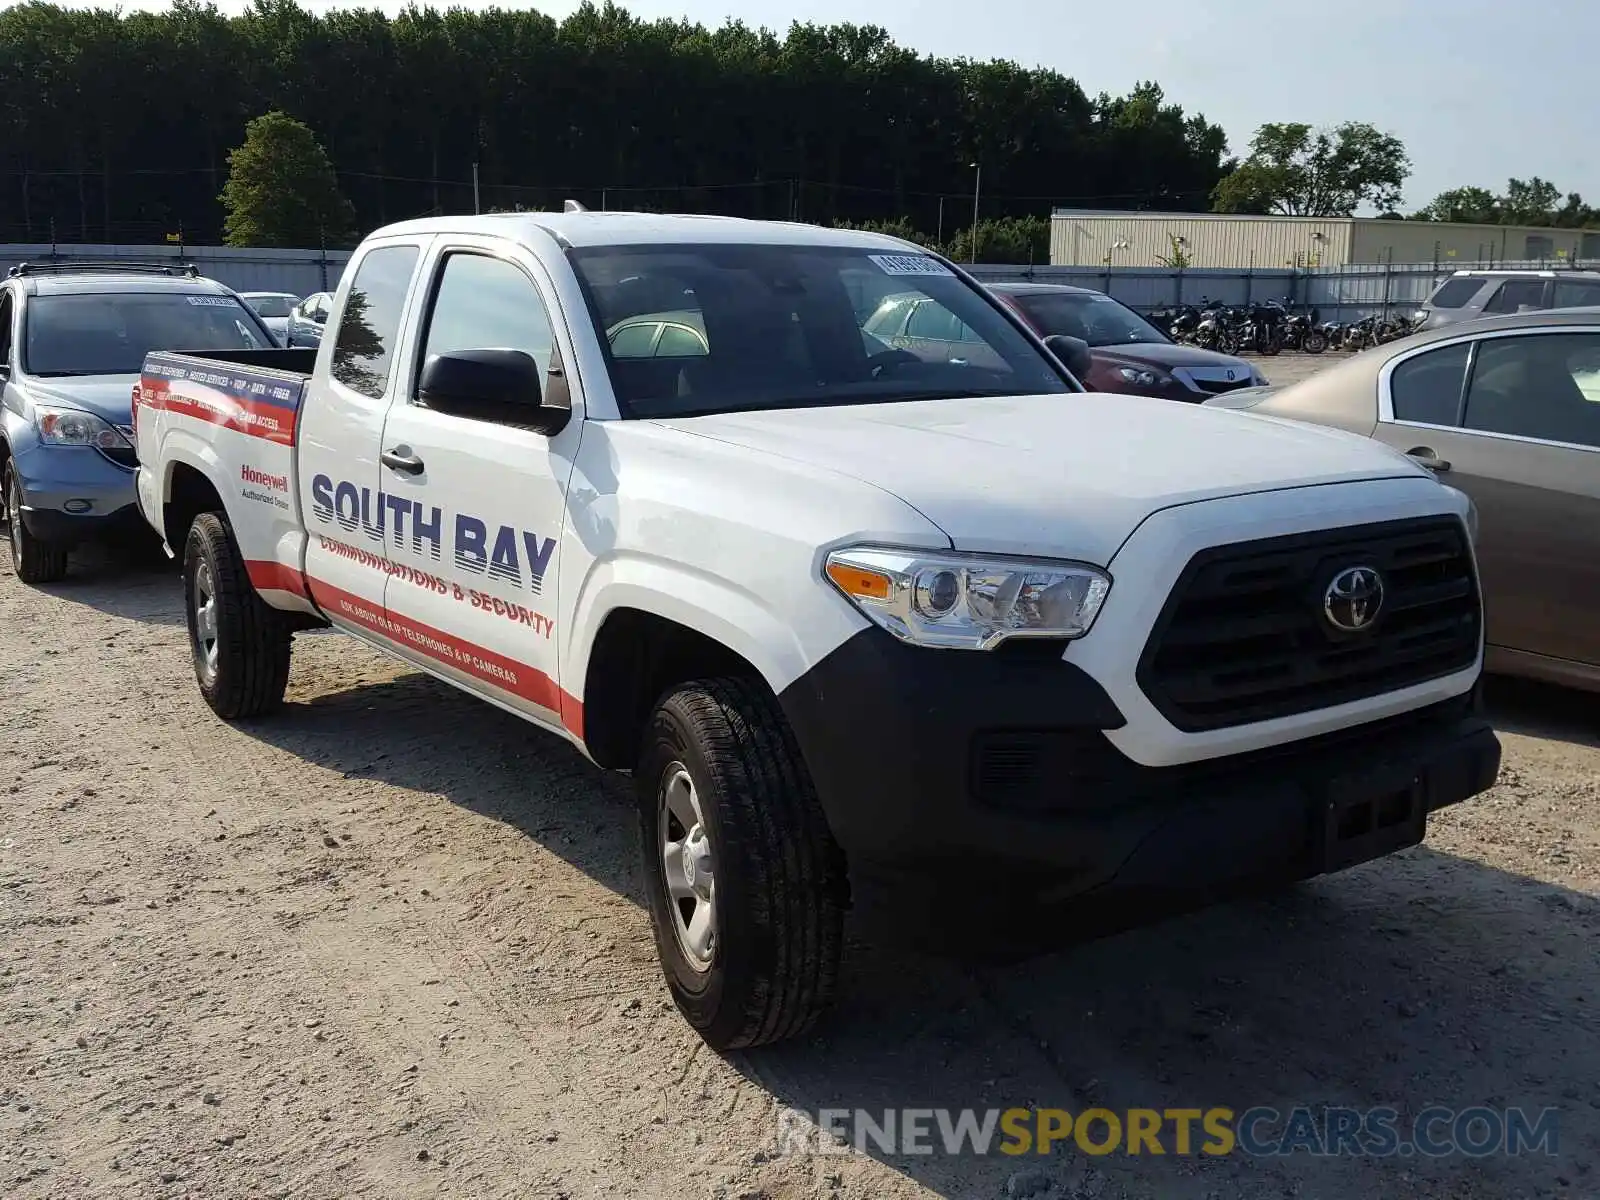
column 124, row 266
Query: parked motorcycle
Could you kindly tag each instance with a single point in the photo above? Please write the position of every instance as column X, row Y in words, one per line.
column 1303, row 332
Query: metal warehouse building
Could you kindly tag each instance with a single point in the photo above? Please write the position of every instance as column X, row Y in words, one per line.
column 1099, row 238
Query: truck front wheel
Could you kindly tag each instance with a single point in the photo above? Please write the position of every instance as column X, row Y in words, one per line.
column 239, row 643
column 747, row 887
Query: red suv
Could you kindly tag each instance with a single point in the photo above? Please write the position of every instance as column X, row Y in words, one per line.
column 1128, row 354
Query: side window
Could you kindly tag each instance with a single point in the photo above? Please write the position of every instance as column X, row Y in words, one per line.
column 679, row 341
column 1575, row 294
column 1455, row 293
column 889, row 317
column 485, row 303
column 1543, row 386
column 933, row 321
column 364, row 349
column 633, row 339
column 1514, row 293
column 7, row 318
column 1427, row 388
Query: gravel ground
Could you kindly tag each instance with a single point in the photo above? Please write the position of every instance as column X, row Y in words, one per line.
column 391, row 944
column 1292, row 367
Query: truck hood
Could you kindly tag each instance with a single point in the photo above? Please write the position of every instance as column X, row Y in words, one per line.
column 109, row 397
column 1064, row 476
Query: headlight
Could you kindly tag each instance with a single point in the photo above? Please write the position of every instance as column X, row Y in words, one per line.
column 1143, row 378
column 968, row 602
column 74, row 427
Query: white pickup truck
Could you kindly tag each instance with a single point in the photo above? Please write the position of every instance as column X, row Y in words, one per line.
column 929, row 631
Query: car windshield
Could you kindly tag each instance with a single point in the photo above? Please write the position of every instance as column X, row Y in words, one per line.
column 1096, row 318
column 109, row 333
column 271, row 306
column 695, row 329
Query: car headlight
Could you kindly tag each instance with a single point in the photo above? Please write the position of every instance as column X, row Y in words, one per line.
column 1143, row 378
column 968, row 602
column 74, row 427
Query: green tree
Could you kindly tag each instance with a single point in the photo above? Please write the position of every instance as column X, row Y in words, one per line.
column 1295, row 170
column 281, row 188
column 118, row 125
column 1472, row 205
column 1529, row 202
column 1524, row 202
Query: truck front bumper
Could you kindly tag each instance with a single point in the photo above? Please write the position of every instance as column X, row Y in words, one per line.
column 73, row 494
column 949, row 776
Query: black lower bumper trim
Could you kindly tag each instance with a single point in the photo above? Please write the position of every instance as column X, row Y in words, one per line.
column 66, row 529
column 901, row 745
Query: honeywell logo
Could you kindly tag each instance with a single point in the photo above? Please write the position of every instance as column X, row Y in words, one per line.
column 278, row 483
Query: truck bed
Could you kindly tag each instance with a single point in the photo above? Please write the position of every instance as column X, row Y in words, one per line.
column 255, row 392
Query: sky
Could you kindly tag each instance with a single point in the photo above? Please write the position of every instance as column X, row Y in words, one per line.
column 1431, row 72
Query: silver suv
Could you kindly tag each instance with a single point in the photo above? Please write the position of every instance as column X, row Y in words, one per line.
column 1467, row 295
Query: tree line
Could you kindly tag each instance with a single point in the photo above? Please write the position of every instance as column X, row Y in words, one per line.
column 122, row 123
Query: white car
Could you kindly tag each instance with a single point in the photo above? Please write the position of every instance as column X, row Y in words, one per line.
column 273, row 308
column 943, row 635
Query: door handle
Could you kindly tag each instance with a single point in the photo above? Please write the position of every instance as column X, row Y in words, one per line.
column 402, row 460
column 1427, row 458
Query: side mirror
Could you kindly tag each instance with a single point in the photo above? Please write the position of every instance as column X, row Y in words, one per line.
column 492, row 385
column 1073, row 353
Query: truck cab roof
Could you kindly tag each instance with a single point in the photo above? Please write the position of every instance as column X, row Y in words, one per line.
column 580, row 229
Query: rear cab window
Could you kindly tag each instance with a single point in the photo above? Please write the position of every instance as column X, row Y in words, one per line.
column 363, row 352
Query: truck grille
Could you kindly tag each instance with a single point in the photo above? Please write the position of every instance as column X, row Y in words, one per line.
column 1244, row 638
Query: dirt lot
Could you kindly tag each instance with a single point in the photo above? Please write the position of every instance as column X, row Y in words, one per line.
column 390, row 944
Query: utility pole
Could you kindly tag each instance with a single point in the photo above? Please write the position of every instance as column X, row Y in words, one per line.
column 977, row 186
column 476, row 207
column 939, row 238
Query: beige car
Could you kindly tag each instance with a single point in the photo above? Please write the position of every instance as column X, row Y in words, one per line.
column 1508, row 410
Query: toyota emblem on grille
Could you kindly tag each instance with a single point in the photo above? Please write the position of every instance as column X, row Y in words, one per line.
column 1353, row 599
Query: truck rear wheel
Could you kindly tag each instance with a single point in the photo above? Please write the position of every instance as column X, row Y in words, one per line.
column 240, row 644
column 747, row 887
column 33, row 560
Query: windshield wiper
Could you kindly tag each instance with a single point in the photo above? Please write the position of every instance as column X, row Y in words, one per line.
column 73, row 374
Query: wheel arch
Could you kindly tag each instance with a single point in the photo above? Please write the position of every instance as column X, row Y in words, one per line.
column 186, row 491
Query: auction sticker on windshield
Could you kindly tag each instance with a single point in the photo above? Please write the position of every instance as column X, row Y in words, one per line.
column 909, row 264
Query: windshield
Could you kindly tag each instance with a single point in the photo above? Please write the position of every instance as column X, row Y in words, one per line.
column 109, row 333
column 1096, row 318
column 271, row 306
column 692, row 329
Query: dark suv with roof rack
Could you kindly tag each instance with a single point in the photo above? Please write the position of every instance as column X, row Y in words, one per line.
column 73, row 337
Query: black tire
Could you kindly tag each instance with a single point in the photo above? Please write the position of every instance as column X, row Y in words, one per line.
column 247, row 675
column 780, row 884
column 1315, row 343
column 34, row 560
